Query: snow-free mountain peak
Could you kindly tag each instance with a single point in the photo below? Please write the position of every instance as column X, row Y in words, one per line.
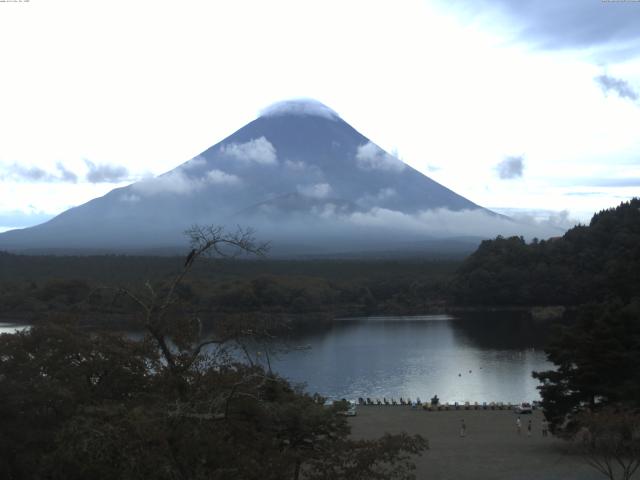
column 299, row 175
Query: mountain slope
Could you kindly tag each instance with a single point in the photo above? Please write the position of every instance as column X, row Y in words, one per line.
column 298, row 174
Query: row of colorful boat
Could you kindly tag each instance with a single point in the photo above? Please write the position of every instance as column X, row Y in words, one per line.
column 436, row 405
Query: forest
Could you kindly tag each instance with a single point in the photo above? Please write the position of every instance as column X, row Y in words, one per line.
column 33, row 287
column 594, row 262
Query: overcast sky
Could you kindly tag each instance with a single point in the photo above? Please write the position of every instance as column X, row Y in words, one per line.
column 527, row 106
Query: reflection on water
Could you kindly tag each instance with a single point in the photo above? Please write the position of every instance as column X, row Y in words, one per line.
column 471, row 357
column 468, row 358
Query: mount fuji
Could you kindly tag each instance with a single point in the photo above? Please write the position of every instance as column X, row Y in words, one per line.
column 299, row 175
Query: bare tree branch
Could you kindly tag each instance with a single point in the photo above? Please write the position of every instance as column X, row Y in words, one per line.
column 204, row 241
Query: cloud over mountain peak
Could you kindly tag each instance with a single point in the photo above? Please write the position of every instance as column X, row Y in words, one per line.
column 300, row 107
column 300, row 175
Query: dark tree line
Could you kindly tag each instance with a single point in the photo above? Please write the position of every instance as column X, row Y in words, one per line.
column 598, row 262
column 35, row 287
column 592, row 397
column 596, row 361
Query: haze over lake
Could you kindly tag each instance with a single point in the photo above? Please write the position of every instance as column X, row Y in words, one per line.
column 470, row 357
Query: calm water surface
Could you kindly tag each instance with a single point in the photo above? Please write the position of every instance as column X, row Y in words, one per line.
column 480, row 357
column 476, row 357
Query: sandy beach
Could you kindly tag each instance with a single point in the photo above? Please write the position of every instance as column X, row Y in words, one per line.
column 491, row 449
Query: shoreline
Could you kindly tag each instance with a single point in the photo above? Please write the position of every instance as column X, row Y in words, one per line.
column 312, row 318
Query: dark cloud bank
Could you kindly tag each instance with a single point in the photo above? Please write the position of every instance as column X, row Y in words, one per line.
column 610, row 26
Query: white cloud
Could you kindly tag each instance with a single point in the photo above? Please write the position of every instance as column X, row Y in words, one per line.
column 443, row 222
column 300, row 107
column 372, row 157
column 297, row 166
column 258, row 150
column 328, row 210
column 318, row 190
column 373, row 200
column 172, row 182
column 130, row 198
column 546, row 218
column 49, row 198
column 385, row 193
column 179, row 183
column 331, row 211
column 218, row 177
column 18, row 219
column 304, row 171
column 195, row 162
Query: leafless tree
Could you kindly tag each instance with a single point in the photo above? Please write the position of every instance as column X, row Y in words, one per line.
column 183, row 331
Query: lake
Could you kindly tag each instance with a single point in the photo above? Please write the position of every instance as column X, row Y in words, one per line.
column 476, row 357
column 471, row 357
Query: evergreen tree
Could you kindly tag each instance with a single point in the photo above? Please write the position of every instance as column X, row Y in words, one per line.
column 596, row 363
column 598, row 262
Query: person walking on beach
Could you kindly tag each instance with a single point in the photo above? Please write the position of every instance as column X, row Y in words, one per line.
column 463, row 428
column 545, row 427
column 518, row 425
column 529, row 429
